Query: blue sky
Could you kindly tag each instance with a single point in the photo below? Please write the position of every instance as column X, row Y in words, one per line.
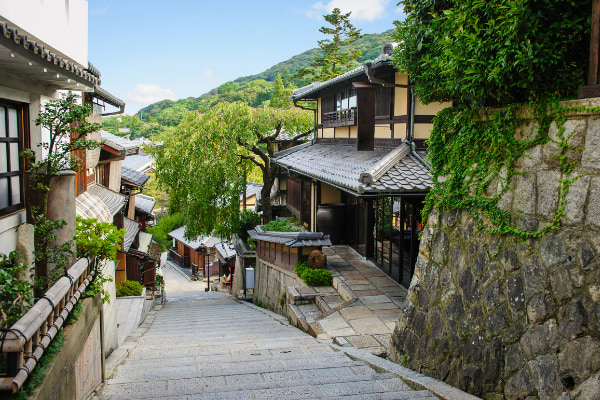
column 151, row 50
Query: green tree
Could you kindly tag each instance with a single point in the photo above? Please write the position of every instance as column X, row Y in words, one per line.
column 65, row 121
column 493, row 52
column 281, row 96
column 203, row 163
column 339, row 54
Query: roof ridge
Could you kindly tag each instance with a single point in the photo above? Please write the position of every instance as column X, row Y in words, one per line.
column 383, row 166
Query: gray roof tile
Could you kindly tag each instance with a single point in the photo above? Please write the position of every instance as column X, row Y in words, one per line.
column 133, row 177
column 342, row 165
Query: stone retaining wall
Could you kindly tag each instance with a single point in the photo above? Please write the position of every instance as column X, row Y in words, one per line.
column 505, row 318
column 270, row 285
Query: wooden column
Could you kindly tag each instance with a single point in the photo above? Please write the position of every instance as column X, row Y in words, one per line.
column 365, row 101
column 593, row 85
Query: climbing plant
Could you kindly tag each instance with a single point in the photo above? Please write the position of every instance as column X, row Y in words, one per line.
column 475, row 149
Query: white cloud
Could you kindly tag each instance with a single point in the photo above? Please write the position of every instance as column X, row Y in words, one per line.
column 209, row 75
column 148, row 93
column 361, row 9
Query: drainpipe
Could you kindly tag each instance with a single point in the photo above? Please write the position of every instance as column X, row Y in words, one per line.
column 411, row 131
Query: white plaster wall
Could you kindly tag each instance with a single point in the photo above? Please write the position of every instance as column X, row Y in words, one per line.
column 115, row 176
column 61, row 24
column 109, row 309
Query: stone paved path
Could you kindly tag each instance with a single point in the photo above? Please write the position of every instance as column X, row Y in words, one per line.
column 206, row 345
column 364, row 303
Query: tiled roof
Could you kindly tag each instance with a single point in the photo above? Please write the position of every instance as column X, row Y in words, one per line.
column 225, row 250
column 133, row 177
column 114, row 201
column 34, row 53
column 120, row 144
column 311, row 90
column 139, row 162
column 362, row 172
column 105, row 96
column 253, row 189
column 201, row 241
column 89, row 206
column 291, row 239
column 144, row 203
column 144, row 240
column 131, row 230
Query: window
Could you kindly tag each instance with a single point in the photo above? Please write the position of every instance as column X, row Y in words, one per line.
column 11, row 163
column 345, row 100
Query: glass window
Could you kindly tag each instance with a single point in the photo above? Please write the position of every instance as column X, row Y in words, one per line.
column 11, row 165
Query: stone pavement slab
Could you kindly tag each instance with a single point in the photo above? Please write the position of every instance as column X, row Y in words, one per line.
column 210, row 346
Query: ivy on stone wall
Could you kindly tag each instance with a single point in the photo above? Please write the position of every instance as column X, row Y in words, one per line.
column 473, row 152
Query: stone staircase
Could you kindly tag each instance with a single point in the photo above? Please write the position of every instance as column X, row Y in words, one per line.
column 213, row 347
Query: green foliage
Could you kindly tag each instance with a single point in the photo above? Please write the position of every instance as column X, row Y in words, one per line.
column 160, row 281
column 203, row 163
column 67, row 127
column 313, row 277
column 281, row 96
column 339, row 54
column 166, row 224
column 248, row 220
column 493, row 52
column 16, row 294
column 65, row 122
column 97, row 239
column 474, row 150
column 282, row 225
column 252, row 243
column 129, row 288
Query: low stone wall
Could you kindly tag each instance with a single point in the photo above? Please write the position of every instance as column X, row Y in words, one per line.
column 502, row 317
column 270, row 285
column 77, row 368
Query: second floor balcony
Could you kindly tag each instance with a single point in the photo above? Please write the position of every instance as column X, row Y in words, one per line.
column 345, row 117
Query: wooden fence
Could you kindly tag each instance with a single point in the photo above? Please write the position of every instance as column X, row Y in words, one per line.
column 24, row 343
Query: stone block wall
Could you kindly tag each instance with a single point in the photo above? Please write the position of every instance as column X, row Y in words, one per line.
column 502, row 317
column 270, row 285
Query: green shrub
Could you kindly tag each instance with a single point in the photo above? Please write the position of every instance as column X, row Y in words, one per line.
column 313, row 277
column 129, row 288
column 282, row 225
column 248, row 220
column 493, row 52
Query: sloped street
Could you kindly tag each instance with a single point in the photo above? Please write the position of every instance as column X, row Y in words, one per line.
column 206, row 345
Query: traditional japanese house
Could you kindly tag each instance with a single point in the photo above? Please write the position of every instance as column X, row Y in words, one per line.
column 363, row 177
column 196, row 254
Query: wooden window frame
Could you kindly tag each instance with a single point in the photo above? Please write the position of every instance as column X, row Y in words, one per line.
column 22, row 139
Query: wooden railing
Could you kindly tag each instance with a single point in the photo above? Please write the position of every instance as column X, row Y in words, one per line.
column 340, row 118
column 25, row 342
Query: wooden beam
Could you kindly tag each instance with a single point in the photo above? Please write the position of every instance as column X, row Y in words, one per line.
column 365, row 100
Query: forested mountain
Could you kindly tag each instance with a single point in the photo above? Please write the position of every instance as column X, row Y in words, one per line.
column 256, row 90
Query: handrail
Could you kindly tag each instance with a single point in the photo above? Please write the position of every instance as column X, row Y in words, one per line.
column 27, row 339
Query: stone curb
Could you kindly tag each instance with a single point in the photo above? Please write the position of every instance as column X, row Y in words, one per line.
column 412, row 378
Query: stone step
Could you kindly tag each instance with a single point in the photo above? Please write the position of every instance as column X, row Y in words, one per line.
column 286, row 358
column 261, row 384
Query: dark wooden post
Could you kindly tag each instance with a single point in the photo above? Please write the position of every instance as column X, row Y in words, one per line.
column 365, row 101
column 593, row 85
